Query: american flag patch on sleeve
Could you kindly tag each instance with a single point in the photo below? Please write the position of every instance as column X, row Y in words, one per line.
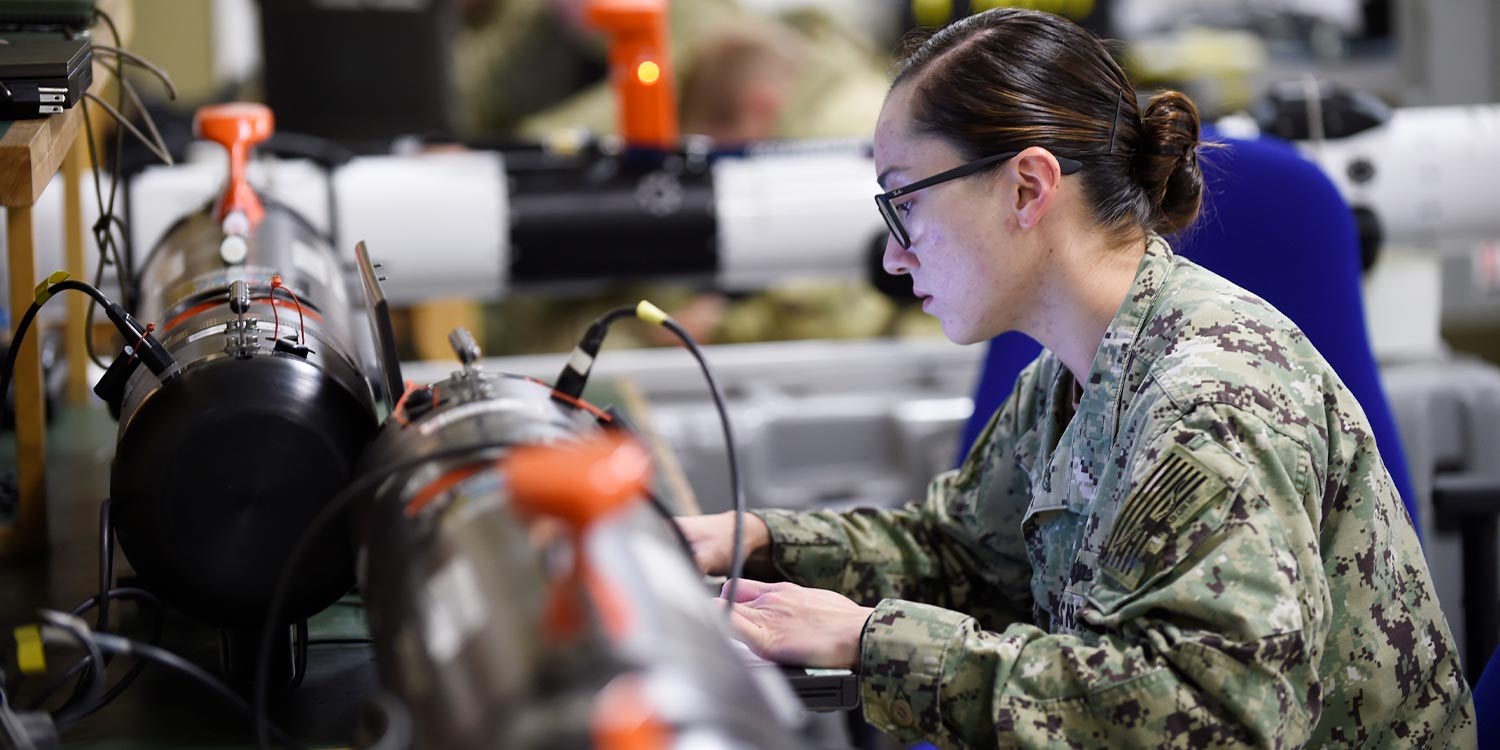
column 1175, row 491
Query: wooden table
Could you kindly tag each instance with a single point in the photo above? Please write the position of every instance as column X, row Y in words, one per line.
column 31, row 151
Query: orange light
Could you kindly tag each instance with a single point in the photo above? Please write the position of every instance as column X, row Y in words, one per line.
column 648, row 72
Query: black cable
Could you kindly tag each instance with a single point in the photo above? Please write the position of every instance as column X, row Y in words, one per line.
column 158, row 625
column 88, row 318
column 124, row 592
column 10, row 356
column 114, row 180
column 25, row 324
column 102, row 241
column 572, row 380
column 666, row 515
column 97, row 642
column 124, row 259
column 148, row 349
column 70, row 714
column 121, row 593
column 106, row 238
column 101, row 623
column 331, row 510
column 737, row 559
column 299, row 654
column 125, row 123
column 575, row 372
column 106, row 566
column 79, row 286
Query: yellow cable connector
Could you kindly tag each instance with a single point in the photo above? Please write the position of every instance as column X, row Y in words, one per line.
column 44, row 289
column 651, row 313
column 30, row 655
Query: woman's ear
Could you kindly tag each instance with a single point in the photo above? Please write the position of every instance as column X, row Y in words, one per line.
column 1038, row 178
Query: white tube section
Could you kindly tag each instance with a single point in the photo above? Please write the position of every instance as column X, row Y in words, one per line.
column 438, row 222
column 795, row 215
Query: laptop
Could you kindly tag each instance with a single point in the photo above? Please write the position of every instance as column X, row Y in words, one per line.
column 824, row 689
column 818, row 689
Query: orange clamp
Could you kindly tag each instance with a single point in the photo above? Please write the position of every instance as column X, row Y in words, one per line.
column 237, row 126
column 640, row 69
column 580, row 482
column 624, row 717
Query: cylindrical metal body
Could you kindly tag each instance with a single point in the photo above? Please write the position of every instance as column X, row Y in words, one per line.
column 1424, row 173
column 452, row 585
column 487, row 224
column 457, row 590
column 219, row 470
column 612, row 217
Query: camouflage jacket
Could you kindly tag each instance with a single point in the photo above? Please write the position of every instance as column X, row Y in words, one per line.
column 1208, row 553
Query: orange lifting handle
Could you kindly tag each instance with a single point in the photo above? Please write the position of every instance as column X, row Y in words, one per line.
column 640, row 69
column 581, row 482
column 237, row 126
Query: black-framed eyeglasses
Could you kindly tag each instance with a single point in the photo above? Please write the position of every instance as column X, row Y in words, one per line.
column 888, row 209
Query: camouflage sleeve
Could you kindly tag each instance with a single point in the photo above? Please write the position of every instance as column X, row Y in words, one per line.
column 943, row 550
column 917, row 552
column 1201, row 629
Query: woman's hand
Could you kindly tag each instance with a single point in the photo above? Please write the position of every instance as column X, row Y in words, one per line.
column 791, row 624
column 712, row 539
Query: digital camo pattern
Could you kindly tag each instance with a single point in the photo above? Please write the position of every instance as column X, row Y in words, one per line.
column 1263, row 587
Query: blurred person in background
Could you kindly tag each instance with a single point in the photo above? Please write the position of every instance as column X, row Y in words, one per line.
column 531, row 69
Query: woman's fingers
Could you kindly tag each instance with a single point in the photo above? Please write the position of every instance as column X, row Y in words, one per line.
column 747, row 590
column 712, row 539
column 791, row 624
column 710, row 544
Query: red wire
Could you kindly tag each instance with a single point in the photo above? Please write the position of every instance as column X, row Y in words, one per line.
column 275, row 317
column 576, row 402
column 301, row 323
column 136, row 350
column 399, row 410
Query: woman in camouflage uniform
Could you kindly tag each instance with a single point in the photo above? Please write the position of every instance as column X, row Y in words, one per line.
column 1177, row 531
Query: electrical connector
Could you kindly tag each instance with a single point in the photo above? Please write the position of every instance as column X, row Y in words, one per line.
column 147, row 348
column 575, row 374
column 24, row 97
column 111, row 387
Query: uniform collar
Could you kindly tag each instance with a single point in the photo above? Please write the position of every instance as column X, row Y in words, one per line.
column 1102, row 390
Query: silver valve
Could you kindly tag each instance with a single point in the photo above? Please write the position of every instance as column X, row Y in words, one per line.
column 464, row 346
column 239, row 297
column 240, row 334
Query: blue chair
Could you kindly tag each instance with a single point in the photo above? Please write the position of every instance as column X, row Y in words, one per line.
column 1274, row 224
column 1487, row 703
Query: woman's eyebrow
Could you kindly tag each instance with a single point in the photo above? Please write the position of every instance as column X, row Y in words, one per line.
column 885, row 174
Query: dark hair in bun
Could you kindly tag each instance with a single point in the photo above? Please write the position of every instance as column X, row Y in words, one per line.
column 1007, row 79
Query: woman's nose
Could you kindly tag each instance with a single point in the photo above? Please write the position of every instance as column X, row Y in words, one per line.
column 897, row 260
